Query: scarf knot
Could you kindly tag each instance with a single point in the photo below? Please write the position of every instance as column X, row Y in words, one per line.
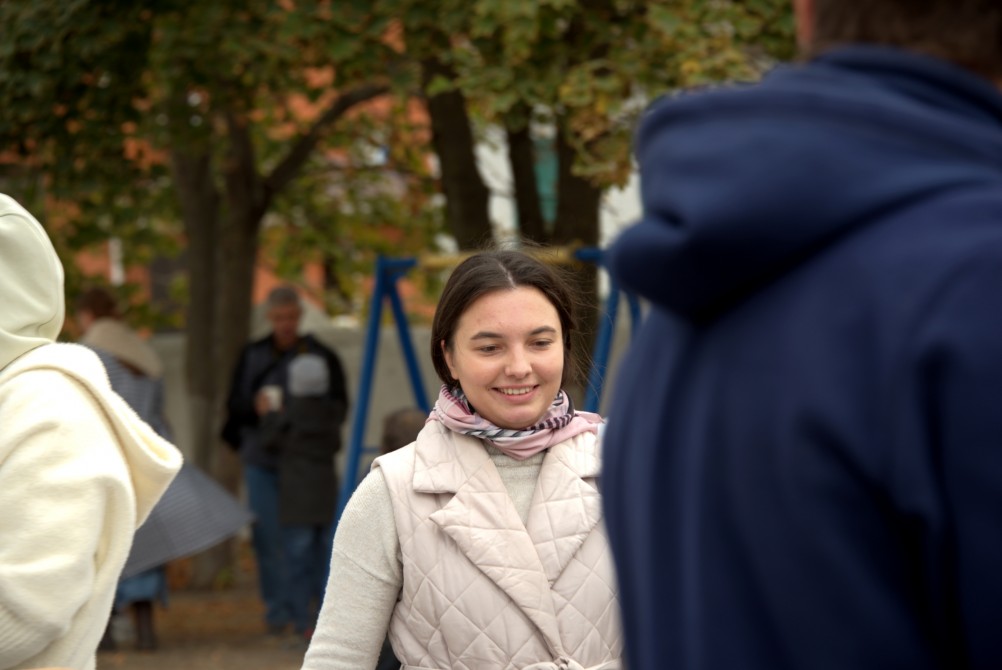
column 559, row 423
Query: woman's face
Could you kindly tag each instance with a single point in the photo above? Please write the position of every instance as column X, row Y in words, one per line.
column 508, row 355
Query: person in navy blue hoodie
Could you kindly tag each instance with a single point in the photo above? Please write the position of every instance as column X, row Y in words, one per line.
column 803, row 462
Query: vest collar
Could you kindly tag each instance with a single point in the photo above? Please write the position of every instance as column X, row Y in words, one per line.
column 444, row 460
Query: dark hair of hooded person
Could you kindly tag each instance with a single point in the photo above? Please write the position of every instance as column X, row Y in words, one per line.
column 965, row 32
column 498, row 270
column 99, row 302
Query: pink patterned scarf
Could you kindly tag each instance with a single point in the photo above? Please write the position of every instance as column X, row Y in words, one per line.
column 558, row 424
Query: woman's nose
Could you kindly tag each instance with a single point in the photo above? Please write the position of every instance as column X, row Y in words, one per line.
column 518, row 365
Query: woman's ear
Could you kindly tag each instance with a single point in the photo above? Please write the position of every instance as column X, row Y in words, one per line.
column 447, row 355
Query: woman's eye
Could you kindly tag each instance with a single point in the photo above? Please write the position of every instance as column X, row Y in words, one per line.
column 488, row 349
column 542, row 344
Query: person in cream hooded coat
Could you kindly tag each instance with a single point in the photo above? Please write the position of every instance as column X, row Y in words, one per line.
column 79, row 471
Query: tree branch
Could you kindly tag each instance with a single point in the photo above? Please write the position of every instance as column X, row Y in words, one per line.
column 248, row 199
column 393, row 169
column 289, row 167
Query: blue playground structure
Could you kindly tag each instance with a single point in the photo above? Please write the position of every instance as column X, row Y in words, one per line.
column 388, row 271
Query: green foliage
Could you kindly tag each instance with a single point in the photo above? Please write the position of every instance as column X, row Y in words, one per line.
column 376, row 198
column 68, row 74
column 591, row 64
column 98, row 93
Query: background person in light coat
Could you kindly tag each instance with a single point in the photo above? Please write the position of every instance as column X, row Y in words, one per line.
column 135, row 372
column 79, row 471
column 481, row 545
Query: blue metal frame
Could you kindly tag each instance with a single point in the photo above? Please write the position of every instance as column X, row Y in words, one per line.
column 606, row 330
column 388, row 271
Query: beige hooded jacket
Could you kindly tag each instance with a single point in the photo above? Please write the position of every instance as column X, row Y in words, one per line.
column 79, row 471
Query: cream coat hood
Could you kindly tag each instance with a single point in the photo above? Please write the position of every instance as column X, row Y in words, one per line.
column 79, row 472
column 32, row 288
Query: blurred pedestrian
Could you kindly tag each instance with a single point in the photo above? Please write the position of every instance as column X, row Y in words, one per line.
column 259, row 386
column 305, row 433
column 481, row 544
column 400, row 428
column 79, row 471
column 194, row 513
column 135, row 372
column 805, row 460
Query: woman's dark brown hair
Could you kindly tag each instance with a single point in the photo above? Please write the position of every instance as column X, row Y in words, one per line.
column 498, row 270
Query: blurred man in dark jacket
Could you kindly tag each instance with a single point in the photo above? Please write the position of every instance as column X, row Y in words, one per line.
column 305, row 434
column 261, row 385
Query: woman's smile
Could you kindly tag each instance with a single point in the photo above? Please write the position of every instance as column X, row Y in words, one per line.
column 517, row 392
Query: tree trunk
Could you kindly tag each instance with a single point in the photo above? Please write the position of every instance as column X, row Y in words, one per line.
column 578, row 200
column 577, row 222
column 200, row 209
column 522, row 158
column 236, row 253
column 466, row 196
column 234, row 257
column 192, row 172
column 222, row 251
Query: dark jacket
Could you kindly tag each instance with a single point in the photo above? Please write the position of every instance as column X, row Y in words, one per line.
column 262, row 364
column 305, row 436
column 803, row 464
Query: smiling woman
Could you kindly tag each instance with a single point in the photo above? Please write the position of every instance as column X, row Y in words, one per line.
column 447, row 545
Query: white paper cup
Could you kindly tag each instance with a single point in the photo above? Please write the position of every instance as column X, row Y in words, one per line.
column 274, row 396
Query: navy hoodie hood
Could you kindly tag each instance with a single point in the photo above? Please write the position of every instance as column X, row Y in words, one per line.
column 741, row 184
column 803, row 458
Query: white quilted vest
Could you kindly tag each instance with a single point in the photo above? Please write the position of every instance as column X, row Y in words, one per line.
column 480, row 589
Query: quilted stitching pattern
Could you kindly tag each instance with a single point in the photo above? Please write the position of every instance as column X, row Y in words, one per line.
column 480, row 589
